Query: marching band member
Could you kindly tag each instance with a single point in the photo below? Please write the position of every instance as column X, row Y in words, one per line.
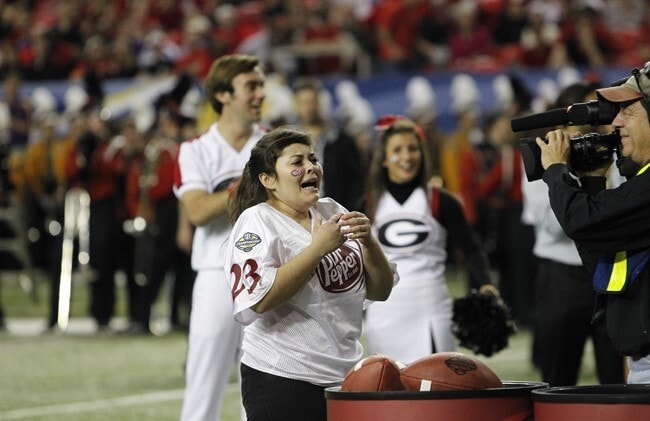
column 45, row 186
column 98, row 164
column 150, row 202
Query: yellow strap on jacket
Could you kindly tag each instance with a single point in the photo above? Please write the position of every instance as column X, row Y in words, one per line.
column 615, row 271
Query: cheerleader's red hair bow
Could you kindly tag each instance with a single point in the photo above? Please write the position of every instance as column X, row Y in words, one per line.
column 386, row 122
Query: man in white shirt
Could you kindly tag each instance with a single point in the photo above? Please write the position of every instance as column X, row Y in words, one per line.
column 208, row 168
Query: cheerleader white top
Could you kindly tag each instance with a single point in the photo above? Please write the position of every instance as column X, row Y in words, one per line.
column 418, row 310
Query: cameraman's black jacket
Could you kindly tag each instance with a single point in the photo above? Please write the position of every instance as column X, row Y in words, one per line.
column 612, row 220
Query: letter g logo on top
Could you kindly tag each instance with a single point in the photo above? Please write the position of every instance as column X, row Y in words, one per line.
column 403, row 235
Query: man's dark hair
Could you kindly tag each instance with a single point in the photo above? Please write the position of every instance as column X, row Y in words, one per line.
column 223, row 71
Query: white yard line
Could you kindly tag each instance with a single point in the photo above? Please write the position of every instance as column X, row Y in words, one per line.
column 71, row 408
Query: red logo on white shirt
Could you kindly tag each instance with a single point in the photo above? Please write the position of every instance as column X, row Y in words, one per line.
column 341, row 270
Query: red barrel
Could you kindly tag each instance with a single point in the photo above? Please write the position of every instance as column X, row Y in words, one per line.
column 512, row 402
column 593, row 403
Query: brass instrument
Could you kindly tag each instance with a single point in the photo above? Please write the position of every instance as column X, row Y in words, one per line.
column 76, row 219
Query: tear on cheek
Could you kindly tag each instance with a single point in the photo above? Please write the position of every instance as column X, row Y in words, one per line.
column 297, row 173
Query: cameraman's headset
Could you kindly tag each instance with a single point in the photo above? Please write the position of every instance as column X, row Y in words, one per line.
column 636, row 73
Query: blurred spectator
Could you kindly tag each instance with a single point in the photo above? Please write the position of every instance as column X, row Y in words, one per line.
column 321, row 30
column 19, row 110
column 268, row 43
column 276, row 31
column 197, row 50
column 643, row 46
column 41, row 58
column 423, row 110
column 623, row 15
column 229, row 30
column 460, row 139
column 167, row 14
column 585, row 40
column 158, row 54
column 510, row 23
column 538, row 37
column 179, row 101
column 554, row 11
column 512, row 94
column 488, row 177
column 470, row 39
column 493, row 201
column 123, row 54
column 93, row 85
column 8, row 58
column 355, row 116
column 343, row 174
column 65, row 29
column 103, row 18
column 396, row 23
column 432, row 36
column 96, row 58
column 629, row 21
column 67, row 40
column 467, row 113
column 15, row 30
column 351, row 16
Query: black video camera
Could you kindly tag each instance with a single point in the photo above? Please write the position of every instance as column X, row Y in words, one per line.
column 594, row 112
column 587, row 153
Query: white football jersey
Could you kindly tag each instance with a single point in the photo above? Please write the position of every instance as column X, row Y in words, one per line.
column 211, row 164
column 314, row 336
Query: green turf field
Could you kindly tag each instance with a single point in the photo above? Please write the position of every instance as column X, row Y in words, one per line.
column 83, row 376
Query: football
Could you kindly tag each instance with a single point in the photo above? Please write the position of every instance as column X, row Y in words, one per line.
column 375, row 373
column 448, row 371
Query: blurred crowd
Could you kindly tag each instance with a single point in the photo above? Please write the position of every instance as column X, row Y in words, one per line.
column 61, row 39
column 126, row 164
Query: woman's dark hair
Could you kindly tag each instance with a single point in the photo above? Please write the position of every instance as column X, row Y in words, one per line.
column 378, row 175
column 264, row 155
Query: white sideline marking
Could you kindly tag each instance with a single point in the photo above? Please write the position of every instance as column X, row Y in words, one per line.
column 71, row 408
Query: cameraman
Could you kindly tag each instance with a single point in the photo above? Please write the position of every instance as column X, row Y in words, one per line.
column 612, row 227
column 563, row 295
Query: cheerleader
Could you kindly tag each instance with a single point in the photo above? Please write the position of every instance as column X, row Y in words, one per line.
column 414, row 224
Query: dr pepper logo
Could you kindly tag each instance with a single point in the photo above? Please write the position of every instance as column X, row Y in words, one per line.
column 340, row 270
